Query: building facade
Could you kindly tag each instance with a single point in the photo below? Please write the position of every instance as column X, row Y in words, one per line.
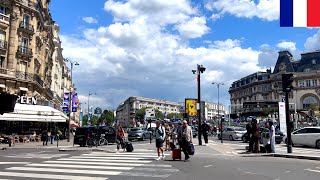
column 259, row 93
column 126, row 111
column 210, row 110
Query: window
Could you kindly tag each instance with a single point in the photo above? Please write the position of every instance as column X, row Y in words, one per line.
column 301, row 83
column 307, row 70
column 24, row 44
column 2, row 58
column 315, row 82
column 308, row 83
column 25, row 21
column 314, row 61
column 3, row 10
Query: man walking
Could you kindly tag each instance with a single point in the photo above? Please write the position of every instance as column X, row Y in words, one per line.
column 160, row 135
column 205, row 131
column 186, row 139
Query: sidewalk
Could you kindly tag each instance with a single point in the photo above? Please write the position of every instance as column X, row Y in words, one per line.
column 38, row 145
column 233, row 149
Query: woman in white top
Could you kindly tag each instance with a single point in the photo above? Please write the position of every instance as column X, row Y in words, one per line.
column 272, row 134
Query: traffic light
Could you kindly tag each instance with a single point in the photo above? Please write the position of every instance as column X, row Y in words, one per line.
column 287, row 80
column 201, row 68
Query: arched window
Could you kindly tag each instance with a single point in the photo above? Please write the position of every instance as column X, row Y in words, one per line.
column 308, row 101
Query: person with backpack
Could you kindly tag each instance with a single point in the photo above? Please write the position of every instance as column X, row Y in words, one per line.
column 160, row 136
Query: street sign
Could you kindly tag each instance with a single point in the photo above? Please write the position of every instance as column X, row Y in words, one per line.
column 98, row 110
column 283, row 99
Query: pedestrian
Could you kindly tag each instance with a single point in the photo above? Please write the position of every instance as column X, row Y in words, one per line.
column 44, row 137
column 120, row 138
column 186, row 139
column 167, row 137
column 256, row 136
column 53, row 136
column 272, row 135
column 249, row 133
column 205, row 131
column 160, row 136
column 48, row 137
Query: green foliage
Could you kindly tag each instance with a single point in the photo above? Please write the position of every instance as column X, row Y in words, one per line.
column 107, row 117
column 158, row 114
column 174, row 115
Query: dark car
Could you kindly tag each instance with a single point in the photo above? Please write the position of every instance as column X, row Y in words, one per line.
column 84, row 133
column 139, row 133
column 279, row 135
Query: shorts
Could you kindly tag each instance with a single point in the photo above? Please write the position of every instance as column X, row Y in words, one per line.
column 159, row 143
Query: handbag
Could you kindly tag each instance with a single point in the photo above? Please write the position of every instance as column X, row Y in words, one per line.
column 191, row 149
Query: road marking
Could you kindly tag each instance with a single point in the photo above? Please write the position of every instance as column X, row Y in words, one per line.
column 312, row 170
column 76, row 171
column 112, row 157
column 15, row 162
column 207, row 166
column 49, row 176
column 105, row 160
column 250, row 173
column 80, row 166
column 109, row 163
column 121, row 155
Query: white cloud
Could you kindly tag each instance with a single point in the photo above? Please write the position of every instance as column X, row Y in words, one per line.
column 263, row 9
column 285, row 45
column 194, row 28
column 312, row 43
column 135, row 55
column 90, row 20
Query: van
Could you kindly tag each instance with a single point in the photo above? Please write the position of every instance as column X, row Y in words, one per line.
column 86, row 132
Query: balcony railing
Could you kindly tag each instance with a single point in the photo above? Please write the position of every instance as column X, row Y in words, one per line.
column 4, row 18
column 38, row 79
column 59, row 98
column 3, row 44
column 49, row 92
column 3, row 71
column 24, row 75
column 23, row 50
column 26, row 26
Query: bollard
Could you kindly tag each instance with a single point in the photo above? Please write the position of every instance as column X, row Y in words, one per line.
column 57, row 140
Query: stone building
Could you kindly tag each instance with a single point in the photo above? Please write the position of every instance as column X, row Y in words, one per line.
column 210, row 110
column 259, row 93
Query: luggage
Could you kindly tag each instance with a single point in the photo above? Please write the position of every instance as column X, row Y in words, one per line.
column 176, row 154
column 191, row 149
column 129, row 147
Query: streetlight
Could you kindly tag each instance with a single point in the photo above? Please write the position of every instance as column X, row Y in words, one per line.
column 71, row 92
column 218, row 85
column 93, row 93
column 200, row 69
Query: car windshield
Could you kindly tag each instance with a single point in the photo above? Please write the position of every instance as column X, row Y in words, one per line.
column 240, row 129
column 135, row 129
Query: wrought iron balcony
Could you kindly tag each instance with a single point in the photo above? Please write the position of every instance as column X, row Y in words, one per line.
column 3, row 71
column 50, row 93
column 24, row 75
column 4, row 20
column 26, row 27
column 38, row 79
column 3, row 44
column 24, row 51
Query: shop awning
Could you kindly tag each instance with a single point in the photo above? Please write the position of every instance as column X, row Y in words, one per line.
column 24, row 112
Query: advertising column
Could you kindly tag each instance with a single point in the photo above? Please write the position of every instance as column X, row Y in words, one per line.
column 282, row 117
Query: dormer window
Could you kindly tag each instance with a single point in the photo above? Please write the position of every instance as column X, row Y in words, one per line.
column 314, row 61
column 307, row 70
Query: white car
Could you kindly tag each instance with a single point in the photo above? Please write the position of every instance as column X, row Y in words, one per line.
column 308, row 136
column 232, row 133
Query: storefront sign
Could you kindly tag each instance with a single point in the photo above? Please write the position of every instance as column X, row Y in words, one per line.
column 27, row 100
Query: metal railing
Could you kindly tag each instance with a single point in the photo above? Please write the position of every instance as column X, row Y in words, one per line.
column 3, row 71
column 38, row 79
column 3, row 44
column 25, row 50
column 49, row 92
column 4, row 17
column 26, row 26
column 24, row 75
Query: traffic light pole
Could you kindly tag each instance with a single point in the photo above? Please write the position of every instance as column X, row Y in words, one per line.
column 199, row 109
column 289, row 142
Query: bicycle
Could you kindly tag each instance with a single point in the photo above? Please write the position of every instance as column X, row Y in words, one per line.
column 91, row 142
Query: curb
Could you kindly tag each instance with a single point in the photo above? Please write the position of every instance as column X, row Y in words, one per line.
column 97, row 150
column 295, row 156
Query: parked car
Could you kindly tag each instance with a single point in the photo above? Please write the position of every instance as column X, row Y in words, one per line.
column 279, row 136
column 232, row 133
column 84, row 133
column 139, row 133
column 307, row 136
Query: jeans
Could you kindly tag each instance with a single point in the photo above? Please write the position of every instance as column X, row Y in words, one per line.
column 52, row 138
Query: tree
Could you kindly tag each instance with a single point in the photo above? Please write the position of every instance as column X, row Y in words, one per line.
column 107, row 116
column 93, row 120
column 142, row 112
column 174, row 115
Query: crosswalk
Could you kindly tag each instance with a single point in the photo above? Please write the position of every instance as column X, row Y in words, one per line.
column 38, row 155
column 94, row 165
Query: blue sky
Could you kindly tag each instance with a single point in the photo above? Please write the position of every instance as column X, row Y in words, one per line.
column 149, row 47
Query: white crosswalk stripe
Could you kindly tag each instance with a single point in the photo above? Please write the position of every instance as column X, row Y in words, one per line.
column 95, row 165
column 37, row 155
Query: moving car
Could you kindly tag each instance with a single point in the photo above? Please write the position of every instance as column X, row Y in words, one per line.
column 232, row 133
column 308, row 136
column 139, row 133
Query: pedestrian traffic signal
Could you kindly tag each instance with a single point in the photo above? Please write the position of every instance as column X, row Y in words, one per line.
column 287, row 80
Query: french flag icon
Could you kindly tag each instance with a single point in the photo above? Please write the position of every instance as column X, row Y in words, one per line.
column 300, row 13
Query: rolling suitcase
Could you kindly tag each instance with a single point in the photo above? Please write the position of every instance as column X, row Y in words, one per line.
column 176, row 154
column 129, row 147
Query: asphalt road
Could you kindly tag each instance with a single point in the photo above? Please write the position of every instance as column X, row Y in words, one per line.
column 140, row 165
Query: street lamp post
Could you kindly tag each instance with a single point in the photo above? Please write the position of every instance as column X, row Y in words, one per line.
column 200, row 69
column 71, row 92
column 93, row 93
column 218, row 85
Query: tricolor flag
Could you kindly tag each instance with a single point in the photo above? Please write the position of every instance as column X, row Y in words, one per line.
column 300, row 13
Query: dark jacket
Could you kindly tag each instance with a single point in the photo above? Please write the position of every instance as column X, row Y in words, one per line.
column 205, row 128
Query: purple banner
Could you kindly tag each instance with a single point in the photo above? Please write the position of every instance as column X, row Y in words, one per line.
column 66, row 100
column 75, row 102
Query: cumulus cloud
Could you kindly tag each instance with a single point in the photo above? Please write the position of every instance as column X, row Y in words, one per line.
column 287, row 46
column 138, row 55
column 90, row 20
column 268, row 56
column 312, row 43
column 264, row 9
